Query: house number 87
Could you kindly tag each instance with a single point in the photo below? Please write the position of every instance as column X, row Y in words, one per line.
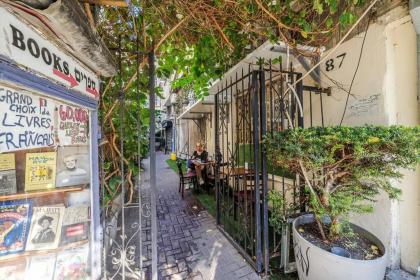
column 330, row 63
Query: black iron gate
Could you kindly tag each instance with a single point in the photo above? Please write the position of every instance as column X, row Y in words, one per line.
column 247, row 107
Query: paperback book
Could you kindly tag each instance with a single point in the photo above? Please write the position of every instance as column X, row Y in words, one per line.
column 45, row 228
column 72, row 264
column 7, row 174
column 40, row 267
column 15, row 219
column 40, row 171
column 72, row 166
column 75, row 224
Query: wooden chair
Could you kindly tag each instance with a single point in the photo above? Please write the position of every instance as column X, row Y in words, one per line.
column 211, row 176
column 188, row 178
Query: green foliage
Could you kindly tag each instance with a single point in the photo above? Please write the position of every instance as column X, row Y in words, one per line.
column 346, row 166
column 214, row 37
column 278, row 216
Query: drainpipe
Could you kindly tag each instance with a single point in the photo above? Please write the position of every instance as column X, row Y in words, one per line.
column 414, row 6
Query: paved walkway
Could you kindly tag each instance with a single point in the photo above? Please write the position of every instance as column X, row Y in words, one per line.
column 189, row 244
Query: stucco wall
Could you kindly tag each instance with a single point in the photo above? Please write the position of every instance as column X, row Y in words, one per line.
column 404, row 110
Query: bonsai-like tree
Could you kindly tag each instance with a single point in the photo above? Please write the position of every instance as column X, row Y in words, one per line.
column 344, row 168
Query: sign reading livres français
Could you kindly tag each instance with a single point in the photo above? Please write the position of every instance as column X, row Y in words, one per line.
column 27, row 47
column 73, row 125
column 26, row 120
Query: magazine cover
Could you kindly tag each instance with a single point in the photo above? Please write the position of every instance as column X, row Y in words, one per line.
column 7, row 174
column 73, row 166
column 72, row 264
column 40, row 171
column 75, row 224
column 40, row 267
column 13, row 271
column 45, row 228
column 15, row 218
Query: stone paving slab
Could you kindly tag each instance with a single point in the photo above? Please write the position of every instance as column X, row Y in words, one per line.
column 189, row 244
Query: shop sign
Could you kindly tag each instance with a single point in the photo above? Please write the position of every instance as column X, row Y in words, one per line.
column 26, row 120
column 27, row 47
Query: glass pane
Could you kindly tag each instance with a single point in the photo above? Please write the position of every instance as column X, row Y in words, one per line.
column 45, row 173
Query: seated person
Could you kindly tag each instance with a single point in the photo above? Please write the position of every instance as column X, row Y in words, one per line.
column 199, row 156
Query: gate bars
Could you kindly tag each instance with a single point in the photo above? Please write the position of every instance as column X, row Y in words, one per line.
column 124, row 248
column 246, row 109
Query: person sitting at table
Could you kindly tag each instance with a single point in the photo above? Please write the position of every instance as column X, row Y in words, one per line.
column 195, row 163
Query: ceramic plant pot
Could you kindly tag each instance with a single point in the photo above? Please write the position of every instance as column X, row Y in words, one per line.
column 314, row 263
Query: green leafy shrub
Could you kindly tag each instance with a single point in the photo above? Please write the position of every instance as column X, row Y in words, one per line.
column 344, row 168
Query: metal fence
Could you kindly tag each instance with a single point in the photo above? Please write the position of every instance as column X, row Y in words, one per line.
column 247, row 108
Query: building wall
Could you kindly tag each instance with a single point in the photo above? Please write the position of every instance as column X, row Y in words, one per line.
column 404, row 110
column 384, row 92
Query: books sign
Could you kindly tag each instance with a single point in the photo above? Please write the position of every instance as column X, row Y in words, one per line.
column 26, row 120
column 27, row 47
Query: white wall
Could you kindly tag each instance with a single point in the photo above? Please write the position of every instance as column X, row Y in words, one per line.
column 384, row 92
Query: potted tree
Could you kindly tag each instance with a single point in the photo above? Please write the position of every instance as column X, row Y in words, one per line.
column 343, row 168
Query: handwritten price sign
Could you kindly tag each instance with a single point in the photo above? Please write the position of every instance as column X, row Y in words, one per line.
column 73, row 126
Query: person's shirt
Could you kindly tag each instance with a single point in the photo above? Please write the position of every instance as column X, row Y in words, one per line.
column 202, row 157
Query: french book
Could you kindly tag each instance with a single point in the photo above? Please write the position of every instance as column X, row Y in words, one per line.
column 73, row 264
column 7, row 174
column 40, row 267
column 40, row 171
column 13, row 271
column 75, row 224
column 45, row 230
column 15, row 220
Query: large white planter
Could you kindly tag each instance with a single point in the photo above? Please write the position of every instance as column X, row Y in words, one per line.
column 314, row 263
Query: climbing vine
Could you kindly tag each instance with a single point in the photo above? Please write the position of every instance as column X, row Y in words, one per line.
column 195, row 41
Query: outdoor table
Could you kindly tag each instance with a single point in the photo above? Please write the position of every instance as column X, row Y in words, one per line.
column 236, row 171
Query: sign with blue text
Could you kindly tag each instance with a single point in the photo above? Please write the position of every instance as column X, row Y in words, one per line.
column 25, row 46
column 26, row 120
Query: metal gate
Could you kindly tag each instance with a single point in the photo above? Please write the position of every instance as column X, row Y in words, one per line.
column 248, row 107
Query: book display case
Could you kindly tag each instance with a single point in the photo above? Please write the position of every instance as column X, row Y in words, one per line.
column 49, row 198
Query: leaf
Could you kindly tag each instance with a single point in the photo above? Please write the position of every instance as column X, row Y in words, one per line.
column 329, row 22
column 318, row 7
column 304, row 34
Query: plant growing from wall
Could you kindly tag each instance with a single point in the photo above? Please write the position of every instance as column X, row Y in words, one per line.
column 345, row 168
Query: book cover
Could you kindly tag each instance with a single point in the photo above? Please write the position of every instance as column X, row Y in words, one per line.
column 7, row 174
column 75, row 224
column 15, row 218
column 45, row 230
column 13, row 271
column 40, row 171
column 73, row 166
column 72, row 264
column 40, row 267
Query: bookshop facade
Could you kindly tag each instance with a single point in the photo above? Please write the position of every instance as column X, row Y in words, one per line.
column 49, row 179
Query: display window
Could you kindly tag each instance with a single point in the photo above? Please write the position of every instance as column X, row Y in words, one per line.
column 45, row 178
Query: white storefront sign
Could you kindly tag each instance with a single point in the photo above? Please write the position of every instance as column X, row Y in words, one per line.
column 27, row 47
column 26, row 120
